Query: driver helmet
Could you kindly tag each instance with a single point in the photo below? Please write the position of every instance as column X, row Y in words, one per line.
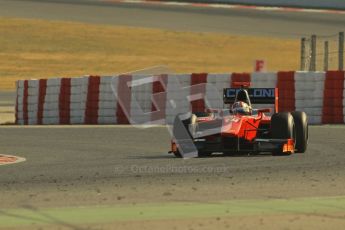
column 241, row 107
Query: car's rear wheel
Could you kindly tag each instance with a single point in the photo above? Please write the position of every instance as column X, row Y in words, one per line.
column 282, row 127
column 301, row 124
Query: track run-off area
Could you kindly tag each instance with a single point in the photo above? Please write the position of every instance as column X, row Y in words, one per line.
column 102, row 166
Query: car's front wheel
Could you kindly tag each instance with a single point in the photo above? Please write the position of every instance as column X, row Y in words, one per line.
column 282, row 127
column 301, row 124
column 184, row 128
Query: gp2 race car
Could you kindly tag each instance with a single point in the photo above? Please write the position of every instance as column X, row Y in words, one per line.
column 241, row 129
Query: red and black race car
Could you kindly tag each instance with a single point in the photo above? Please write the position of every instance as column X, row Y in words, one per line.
column 240, row 128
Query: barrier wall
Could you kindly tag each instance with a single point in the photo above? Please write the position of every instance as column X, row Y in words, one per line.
column 142, row 99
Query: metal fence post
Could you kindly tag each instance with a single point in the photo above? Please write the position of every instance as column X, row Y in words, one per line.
column 303, row 56
column 325, row 57
column 341, row 51
column 312, row 66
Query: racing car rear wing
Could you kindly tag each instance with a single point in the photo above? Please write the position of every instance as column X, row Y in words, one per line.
column 256, row 96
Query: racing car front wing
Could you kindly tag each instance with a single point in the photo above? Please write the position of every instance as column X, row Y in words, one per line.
column 271, row 145
column 233, row 145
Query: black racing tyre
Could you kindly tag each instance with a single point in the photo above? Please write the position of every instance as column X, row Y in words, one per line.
column 200, row 154
column 178, row 129
column 204, row 154
column 188, row 121
column 301, row 124
column 282, row 127
column 178, row 154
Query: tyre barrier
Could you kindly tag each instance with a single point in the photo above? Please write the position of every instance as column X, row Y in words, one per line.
column 156, row 99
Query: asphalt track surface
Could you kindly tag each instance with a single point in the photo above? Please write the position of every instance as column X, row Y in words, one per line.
column 232, row 21
column 87, row 165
